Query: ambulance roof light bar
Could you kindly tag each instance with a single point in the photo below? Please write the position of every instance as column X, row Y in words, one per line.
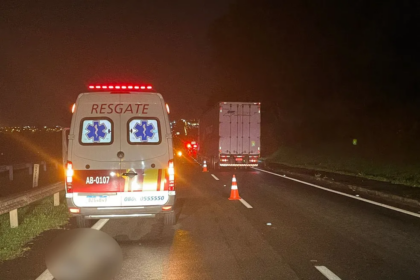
column 120, row 86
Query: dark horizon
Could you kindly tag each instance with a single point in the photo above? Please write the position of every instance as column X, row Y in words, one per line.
column 51, row 52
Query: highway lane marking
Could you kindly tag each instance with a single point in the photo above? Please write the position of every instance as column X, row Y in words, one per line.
column 99, row 224
column 327, row 273
column 344, row 194
column 215, row 178
column 247, row 205
column 46, row 275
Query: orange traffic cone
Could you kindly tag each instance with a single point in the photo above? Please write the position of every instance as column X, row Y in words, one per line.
column 205, row 167
column 234, row 194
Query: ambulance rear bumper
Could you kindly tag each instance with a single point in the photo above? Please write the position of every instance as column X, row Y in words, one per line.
column 122, row 212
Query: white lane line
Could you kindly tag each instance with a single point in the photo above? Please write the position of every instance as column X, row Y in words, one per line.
column 345, row 194
column 327, row 273
column 247, row 205
column 99, row 224
column 215, row 178
column 46, row 275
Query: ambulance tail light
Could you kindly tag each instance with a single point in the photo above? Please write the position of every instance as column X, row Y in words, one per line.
column 171, row 173
column 69, row 176
column 74, row 210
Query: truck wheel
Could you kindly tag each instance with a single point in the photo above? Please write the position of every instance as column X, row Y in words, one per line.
column 82, row 222
column 169, row 218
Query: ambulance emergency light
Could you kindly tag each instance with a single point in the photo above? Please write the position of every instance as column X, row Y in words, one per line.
column 118, row 86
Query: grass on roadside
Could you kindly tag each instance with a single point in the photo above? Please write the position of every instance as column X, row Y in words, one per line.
column 350, row 164
column 33, row 220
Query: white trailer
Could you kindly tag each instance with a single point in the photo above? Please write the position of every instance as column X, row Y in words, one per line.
column 230, row 134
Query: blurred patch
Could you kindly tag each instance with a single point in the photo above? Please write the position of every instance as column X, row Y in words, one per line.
column 84, row 254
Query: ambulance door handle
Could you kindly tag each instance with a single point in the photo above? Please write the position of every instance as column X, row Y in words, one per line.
column 130, row 174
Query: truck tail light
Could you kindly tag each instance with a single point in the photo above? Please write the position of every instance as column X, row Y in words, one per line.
column 171, row 173
column 224, row 158
column 253, row 159
column 69, row 176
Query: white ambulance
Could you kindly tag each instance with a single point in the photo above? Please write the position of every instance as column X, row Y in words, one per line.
column 120, row 157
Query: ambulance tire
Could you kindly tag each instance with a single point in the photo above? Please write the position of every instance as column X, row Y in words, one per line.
column 82, row 222
column 169, row 218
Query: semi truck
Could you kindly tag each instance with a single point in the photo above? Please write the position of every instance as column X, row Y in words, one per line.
column 229, row 135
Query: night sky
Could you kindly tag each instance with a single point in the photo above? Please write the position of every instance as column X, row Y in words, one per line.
column 50, row 50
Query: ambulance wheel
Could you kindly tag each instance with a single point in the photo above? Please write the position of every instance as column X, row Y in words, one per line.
column 169, row 218
column 82, row 222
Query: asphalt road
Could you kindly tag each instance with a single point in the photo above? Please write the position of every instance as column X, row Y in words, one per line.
column 290, row 230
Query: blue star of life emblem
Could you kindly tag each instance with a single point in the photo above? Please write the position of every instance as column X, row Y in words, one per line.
column 97, row 131
column 144, row 131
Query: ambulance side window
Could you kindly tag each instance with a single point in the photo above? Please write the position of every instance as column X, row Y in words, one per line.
column 143, row 131
column 96, row 131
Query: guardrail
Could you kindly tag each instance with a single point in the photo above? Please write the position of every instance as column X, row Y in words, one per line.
column 13, row 202
column 11, row 168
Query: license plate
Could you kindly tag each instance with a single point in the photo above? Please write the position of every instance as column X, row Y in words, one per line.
column 97, row 198
column 100, row 180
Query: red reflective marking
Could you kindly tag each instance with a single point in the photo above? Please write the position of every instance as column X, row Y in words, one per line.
column 159, row 180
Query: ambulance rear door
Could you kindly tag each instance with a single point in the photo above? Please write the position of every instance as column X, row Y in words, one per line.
column 147, row 149
column 95, row 149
